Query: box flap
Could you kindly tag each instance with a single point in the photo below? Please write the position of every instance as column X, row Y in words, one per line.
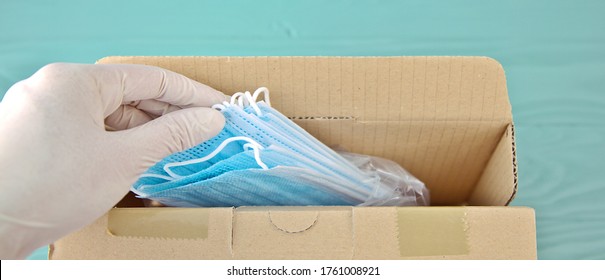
column 365, row 88
column 311, row 233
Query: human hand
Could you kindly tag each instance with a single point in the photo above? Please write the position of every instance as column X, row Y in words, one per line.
column 60, row 167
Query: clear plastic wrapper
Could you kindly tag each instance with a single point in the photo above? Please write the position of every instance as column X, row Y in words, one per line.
column 405, row 189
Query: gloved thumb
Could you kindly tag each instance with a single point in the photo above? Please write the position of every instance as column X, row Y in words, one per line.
column 174, row 132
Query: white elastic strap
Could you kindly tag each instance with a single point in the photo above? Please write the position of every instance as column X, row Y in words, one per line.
column 265, row 91
column 253, row 103
column 237, row 97
column 243, row 99
column 239, row 101
column 219, row 107
column 256, row 155
column 254, row 145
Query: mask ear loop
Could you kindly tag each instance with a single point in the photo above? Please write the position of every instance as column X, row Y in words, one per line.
column 221, row 107
column 237, row 97
column 252, row 99
column 256, row 149
column 265, row 92
column 251, row 144
column 253, row 103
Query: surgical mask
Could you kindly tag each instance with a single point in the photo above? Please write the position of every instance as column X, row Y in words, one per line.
column 279, row 186
column 258, row 176
column 234, row 168
column 270, row 130
column 162, row 170
column 262, row 112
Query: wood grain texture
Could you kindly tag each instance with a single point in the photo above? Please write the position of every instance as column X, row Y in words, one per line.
column 561, row 176
column 553, row 53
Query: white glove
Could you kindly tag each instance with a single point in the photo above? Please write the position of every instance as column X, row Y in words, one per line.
column 60, row 167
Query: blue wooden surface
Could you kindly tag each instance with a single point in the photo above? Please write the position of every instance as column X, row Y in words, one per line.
column 553, row 53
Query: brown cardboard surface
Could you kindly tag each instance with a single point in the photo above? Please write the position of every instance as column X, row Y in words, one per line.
column 304, row 232
column 322, row 233
column 99, row 241
column 445, row 119
column 499, row 178
column 182, row 223
column 445, row 233
column 433, row 232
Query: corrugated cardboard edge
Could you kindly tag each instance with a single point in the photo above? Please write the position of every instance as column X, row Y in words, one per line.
column 493, row 186
column 516, row 176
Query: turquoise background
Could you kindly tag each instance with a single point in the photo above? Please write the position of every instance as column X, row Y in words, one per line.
column 553, row 53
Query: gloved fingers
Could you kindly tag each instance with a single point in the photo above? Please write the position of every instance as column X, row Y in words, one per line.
column 126, row 117
column 154, row 108
column 168, row 134
column 121, row 84
column 137, row 113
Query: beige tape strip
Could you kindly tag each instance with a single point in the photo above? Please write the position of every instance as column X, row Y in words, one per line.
column 432, row 231
column 163, row 222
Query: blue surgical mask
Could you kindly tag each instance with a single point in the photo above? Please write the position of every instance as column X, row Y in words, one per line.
column 291, row 130
column 263, row 158
column 281, row 178
column 267, row 131
column 281, row 185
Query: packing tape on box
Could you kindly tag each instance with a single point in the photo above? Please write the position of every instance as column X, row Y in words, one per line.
column 434, row 231
column 421, row 231
column 162, row 222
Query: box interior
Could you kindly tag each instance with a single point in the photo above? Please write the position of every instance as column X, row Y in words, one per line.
column 445, row 119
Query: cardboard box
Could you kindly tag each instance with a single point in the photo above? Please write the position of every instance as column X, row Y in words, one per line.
column 446, row 119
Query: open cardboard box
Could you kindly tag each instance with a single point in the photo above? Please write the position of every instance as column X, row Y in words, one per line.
column 445, row 119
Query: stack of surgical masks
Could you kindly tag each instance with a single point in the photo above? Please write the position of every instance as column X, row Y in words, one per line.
column 263, row 158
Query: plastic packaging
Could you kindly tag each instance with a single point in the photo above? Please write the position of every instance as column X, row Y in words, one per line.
column 406, row 190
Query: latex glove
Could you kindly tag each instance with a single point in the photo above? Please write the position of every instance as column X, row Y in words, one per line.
column 60, row 169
